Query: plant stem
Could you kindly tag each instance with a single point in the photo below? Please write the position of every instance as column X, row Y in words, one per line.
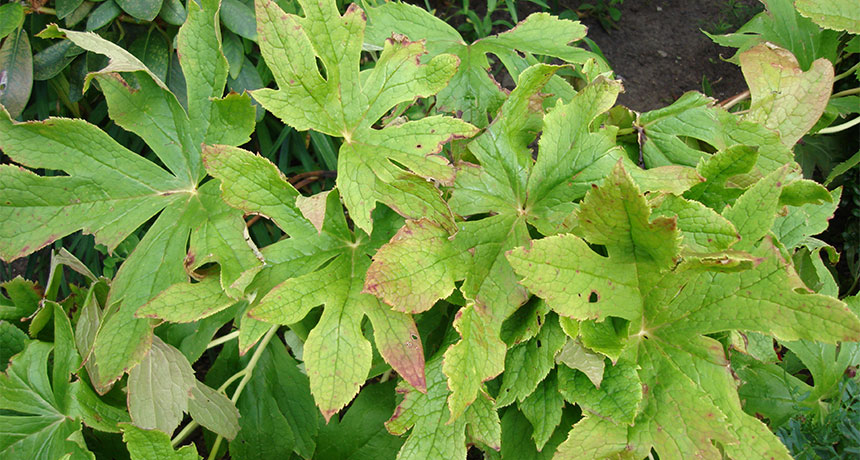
column 847, row 92
column 45, row 10
column 230, row 380
column 249, row 369
column 223, row 339
column 731, row 102
column 248, row 372
column 192, row 425
column 847, row 72
column 842, row 127
column 246, row 376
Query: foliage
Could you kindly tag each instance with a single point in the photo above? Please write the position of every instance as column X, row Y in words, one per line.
column 495, row 269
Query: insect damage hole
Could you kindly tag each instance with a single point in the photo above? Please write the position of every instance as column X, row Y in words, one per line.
column 593, row 297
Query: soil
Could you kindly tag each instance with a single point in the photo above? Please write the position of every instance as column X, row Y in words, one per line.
column 660, row 52
column 658, row 49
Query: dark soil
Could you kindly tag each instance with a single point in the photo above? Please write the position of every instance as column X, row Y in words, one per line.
column 660, row 52
column 658, row 49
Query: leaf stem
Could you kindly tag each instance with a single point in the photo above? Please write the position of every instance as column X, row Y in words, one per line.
column 842, row 127
column 223, row 339
column 230, row 380
column 245, row 374
column 187, row 430
column 847, row 72
column 44, row 10
column 847, row 92
column 248, row 372
column 249, row 369
column 731, row 102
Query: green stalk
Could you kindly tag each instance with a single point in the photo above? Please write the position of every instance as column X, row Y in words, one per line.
column 847, row 72
column 249, row 371
column 223, row 339
column 245, row 374
column 847, row 92
column 842, row 127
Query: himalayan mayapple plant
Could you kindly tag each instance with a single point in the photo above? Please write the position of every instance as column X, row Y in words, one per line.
column 534, row 272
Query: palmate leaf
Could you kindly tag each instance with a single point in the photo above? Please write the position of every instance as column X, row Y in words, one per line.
column 43, row 412
column 784, row 98
column 110, row 191
column 389, row 165
column 473, row 92
column 836, row 15
column 694, row 116
column 426, row 413
column 514, row 190
column 671, row 300
column 328, row 270
column 787, row 27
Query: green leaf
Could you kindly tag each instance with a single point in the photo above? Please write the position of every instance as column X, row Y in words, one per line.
column 345, row 104
column 35, row 419
column 159, row 388
column 576, row 356
column 13, row 341
column 528, row 363
column 836, row 15
column 702, row 228
column 238, row 17
column 16, row 72
column 66, row 7
column 427, row 414
column 11, row 17
column 419, row 251
column 593, row 437
column 153, row 50
column 361, row 432
column 173, row 12
column 498, row 190
column 543, row 409
column 52, row 60
column 805, row 220
column 337, row 355
column 278, row 414
column 616, row 399
column 186, row 302
column 110, row 191
column 666, row 131
column 472, row 92
column 234, row 51
column 688, row 398
column 145, row 10
column 213, row 410
column 24, row 299
column 784, row 98
column 148, row 444
column 782, row 25
column 103, row 15
column 517, row 435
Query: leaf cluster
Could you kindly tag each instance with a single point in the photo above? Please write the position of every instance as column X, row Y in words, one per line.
column 533, row 272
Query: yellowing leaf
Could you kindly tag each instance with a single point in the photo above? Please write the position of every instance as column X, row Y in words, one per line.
column 472, row 92
column 688, row 399
column 344, row 103
column 784, row 98
column 337, row 355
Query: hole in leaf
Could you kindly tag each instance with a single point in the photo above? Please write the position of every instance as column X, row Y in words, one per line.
column 594, row 297
column 538, row 343
column 321, row 68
